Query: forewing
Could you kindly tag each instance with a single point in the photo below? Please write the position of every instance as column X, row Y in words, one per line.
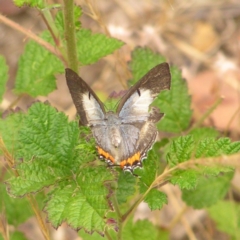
column 88, row 105
column 135, row 103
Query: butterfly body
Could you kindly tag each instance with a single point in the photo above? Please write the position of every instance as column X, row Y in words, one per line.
column 123, row 138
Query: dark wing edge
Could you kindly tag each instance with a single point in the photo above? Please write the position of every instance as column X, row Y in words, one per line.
column 148, row 136
column 77, row 87
column 156, row 80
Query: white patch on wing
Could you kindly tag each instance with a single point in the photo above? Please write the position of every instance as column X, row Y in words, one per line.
column 137, row 105
column 143, row 101
column 92, row 108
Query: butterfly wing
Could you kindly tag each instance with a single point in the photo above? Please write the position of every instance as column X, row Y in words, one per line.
column 133, row 125
column 135, row 103
column 89, row 107
column 134, row 110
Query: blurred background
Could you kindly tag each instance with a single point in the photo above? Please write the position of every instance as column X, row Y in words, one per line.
column 201, row 37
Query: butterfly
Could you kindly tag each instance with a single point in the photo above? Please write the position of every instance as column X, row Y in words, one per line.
column 123, row 137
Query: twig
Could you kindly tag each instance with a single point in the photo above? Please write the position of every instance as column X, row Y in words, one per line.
column 207, row 113
column 33, row 36
column 231, row 120
column 180, row 211
column 230, row 160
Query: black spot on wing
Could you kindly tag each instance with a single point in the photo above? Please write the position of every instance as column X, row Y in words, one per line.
column 138, row 91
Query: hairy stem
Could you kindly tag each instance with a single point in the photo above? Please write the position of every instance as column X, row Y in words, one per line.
column 70, row 35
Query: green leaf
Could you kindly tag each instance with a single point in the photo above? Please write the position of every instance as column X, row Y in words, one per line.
column 155, row 199
column 143, row 60
column 48, row 148
column 180, row 150
column 209, row 190
column 126, row 186
column 185, row 179
column 210, row 147
column 204, row 132
column 86, row 147
column 93, row 46
column 17, row 236
column 175, row 104
column 185, row 148
column 36, row 175
column 53, row 154
column 47, row 133
column 9, row 128
column 32, row 3
column 36, row 70
column 3, row 76
column 148, row 172
column 81, row 203
column 226, row 214
column 141, row 229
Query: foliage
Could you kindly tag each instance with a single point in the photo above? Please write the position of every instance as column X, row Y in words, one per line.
column 54, row 161
column 3, row 76
column 226, row 215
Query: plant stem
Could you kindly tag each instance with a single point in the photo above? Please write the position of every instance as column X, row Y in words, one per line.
column 107, row 235
column 116, row 207
column 235, row 115
column 33, row 36
column 207, row 113
column 49, row 21
column 134, row 206
column 119, row 215
column 40, row 220
column 70, row 35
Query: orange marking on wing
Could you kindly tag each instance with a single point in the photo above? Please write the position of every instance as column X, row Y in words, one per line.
column 106, row 155
column 130, row 160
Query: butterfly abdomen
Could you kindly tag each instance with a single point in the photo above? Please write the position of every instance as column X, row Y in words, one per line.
column 115, row 136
